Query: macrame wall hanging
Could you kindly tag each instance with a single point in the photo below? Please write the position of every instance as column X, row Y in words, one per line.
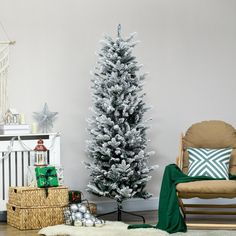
column 4, row 68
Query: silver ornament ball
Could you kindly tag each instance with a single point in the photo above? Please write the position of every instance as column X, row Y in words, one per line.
column 93, row 218
column 89, row 223
column 87, row 215
column 73, row 208
column 99, row 223
column 78, row 215
column 83, row 208
column 78, row 223
column 67, row 213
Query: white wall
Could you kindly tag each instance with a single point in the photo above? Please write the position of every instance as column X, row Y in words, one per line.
column 189, row 48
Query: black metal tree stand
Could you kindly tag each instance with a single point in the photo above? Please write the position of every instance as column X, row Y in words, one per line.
column 119, row 212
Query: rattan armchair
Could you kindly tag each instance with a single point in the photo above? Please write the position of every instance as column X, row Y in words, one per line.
column 208, row 134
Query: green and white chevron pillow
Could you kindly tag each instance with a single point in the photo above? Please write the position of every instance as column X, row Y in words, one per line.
column 209, row 162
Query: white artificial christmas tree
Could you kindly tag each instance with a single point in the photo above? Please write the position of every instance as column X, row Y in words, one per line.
column 117, row 148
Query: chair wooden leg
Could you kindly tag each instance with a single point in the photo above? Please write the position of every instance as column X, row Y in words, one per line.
column 181, row 204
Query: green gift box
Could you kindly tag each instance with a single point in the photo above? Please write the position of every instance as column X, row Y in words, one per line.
column 46, row 177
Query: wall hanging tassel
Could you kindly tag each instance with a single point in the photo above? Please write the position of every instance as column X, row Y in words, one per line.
column 4, row 67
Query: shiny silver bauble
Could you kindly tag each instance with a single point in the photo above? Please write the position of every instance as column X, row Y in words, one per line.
column 67, row 213
column 83, row 209
column 93, row 218
column 78, row 223
column 87, row 215
column 73, row 208
column 78, row 215
column 99, row 223
column 89, row 223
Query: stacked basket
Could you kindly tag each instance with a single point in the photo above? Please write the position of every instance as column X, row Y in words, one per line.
column 29, row 208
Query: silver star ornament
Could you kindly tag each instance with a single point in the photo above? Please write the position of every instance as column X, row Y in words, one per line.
column 45, row 119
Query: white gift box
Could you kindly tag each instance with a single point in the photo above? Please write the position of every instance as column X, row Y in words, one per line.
column 31, row 176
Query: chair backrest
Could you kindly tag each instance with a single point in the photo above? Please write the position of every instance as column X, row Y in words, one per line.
column 210, row 134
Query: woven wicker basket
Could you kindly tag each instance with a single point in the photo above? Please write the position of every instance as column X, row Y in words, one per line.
column 34, row 218
column 36, row 197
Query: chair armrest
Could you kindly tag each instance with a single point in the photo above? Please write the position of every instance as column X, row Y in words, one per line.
column 177, row 161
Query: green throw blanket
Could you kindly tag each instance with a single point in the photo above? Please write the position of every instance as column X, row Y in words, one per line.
column 170, row 218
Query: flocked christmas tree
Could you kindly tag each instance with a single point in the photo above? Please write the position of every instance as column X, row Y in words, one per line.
column 117, row 148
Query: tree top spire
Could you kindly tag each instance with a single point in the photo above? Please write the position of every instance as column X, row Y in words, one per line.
column 119, row 30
